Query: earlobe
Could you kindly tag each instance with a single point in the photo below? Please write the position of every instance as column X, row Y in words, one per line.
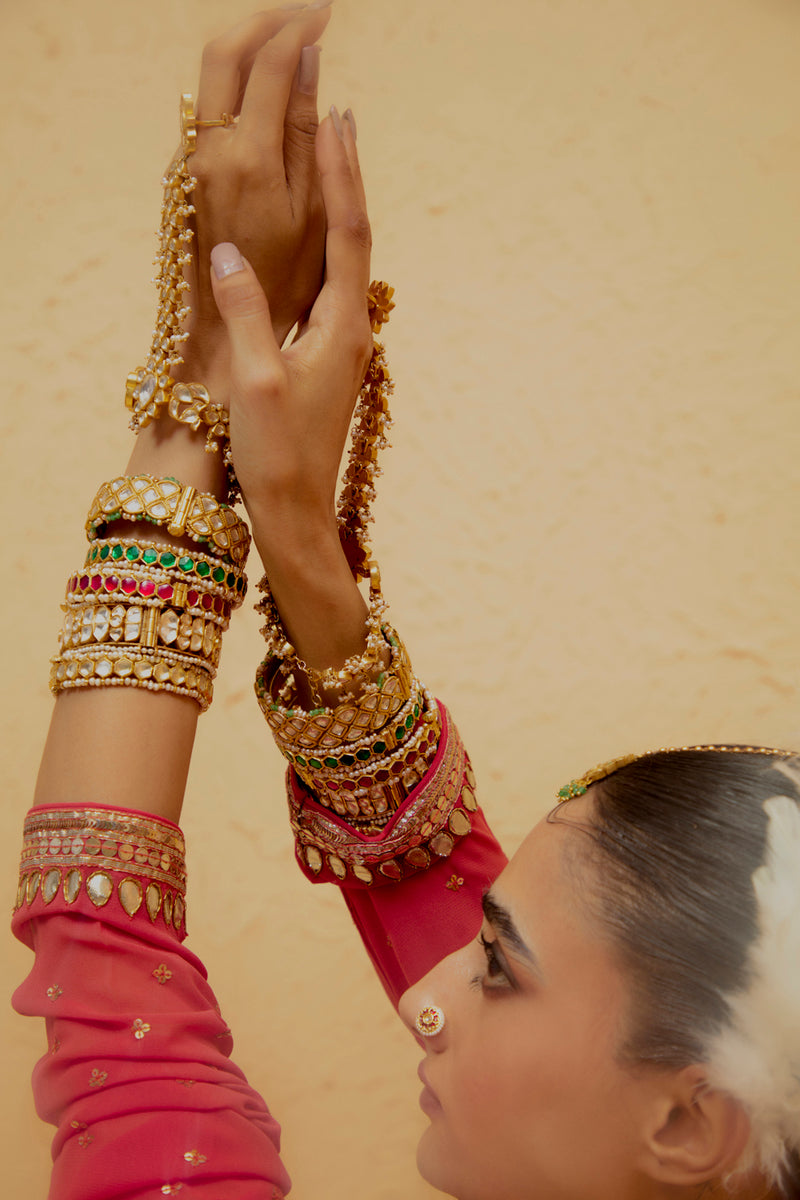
column 698, row 1133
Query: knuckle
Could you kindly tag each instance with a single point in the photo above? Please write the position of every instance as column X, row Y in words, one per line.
column 359, row 229
column 257, row 380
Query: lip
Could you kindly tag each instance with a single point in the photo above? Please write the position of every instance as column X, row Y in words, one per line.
column 429, row 1102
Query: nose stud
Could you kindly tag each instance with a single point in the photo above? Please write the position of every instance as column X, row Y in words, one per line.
column 429, row 1021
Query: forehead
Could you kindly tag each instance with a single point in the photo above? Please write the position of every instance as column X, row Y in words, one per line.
column 546, row 886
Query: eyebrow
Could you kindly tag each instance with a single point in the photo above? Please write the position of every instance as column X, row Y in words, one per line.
column 500, row 919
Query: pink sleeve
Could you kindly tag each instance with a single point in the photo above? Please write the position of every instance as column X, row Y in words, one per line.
column 415, row 890
column 137, row 1076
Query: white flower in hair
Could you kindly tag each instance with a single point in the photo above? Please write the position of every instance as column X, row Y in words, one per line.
column 757, row 1057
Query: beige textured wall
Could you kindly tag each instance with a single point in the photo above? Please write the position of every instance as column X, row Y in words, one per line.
column 588, row 522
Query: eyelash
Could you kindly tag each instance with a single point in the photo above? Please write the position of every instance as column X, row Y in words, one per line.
column 496, row 970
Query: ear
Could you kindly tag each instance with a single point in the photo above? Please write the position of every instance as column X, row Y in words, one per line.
column 697, row 1133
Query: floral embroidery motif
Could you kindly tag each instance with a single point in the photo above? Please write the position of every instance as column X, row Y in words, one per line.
column 186, row 1082
column 56, row 1046
column 162, row 973
column 84, row 1140
column 78, row 1125
column 454, row 883
column 97, row 1078
column 194, row 1158
column 140, row 1028
column 54, row 992
column 171, row 1189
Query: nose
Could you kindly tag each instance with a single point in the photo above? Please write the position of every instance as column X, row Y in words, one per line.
column 440, row 991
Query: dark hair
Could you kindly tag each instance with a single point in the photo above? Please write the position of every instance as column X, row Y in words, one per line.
column 674, row 840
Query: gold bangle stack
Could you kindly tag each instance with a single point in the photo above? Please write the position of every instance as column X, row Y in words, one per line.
column 144, row 614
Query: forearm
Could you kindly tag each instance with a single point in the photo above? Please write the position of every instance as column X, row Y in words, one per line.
column 126, row 746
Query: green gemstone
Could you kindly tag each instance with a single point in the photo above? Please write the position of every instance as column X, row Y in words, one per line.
column 105, row 551
column 400, row 732
column 203, row 569
column 316, row 711
column 218, row 574
column 116, row 552
column 410, row 721
column 186, row 563
column 301, row 762
column 416, row 711
column 331, row 762
column 315, row 764
column 132, row 553
column 347, row 760
column 167, row 559
column 379, row 748
column 231, row 580
column 149, row 557
column 361, row 755
column 381, row 679
column 239, row 583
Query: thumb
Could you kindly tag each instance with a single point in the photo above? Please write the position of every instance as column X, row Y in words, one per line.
column 244, row 309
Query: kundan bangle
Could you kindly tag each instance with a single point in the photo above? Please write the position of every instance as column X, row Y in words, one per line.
column 115, row 666
column 183, row 510
column 135, row 625
column 202, row 567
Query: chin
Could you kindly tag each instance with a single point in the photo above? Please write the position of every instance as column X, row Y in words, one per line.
column 430, row 1165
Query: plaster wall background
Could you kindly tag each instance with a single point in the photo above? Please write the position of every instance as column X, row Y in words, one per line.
column 587, row 526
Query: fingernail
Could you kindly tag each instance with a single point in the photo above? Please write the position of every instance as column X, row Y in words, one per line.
column 292, row 7
column 226, row 260
column 351, row 121
column 337, row 120
column 308, row 70
column 321, row 4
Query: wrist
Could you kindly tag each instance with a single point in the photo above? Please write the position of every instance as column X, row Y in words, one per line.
column 166, row 447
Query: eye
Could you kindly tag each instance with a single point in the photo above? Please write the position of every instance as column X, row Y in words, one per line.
column 497, row 976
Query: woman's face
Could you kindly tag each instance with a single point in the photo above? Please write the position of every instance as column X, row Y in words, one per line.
column 524, row 1093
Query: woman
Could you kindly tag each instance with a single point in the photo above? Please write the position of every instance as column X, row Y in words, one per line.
column 559, row 1011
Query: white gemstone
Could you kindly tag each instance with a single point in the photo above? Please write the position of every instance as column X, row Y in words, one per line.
column 101, row 619
column 133, row 624
column 168, row 626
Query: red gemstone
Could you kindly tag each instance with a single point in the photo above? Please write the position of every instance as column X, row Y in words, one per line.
column 348, row 785
column 365, row 781
column 112, row 583
column 165, row 592
column 217, row 604
column 192, row 597
column 207, row 600
column 73, row 583
column 128, row 586
column 332, row 785
column 398, row 768
column 96, row 583
column 381, row 776
column 226, row 610
column 411, row 756
column 147, row 587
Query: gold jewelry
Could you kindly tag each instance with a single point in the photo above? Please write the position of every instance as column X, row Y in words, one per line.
column 432, row 821
column 578, row 787
column 149, row 390
column 128, row 666
column 138, row 625
column 429, row 1021
column 371, row 420
column 196, row 568
column 198, row 515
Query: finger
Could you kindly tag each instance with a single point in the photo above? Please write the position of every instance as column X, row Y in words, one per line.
column 348, row 241
column 301, row 124
column 352, row 155
column 255, row 354
column 272, row 76
column 227, row 61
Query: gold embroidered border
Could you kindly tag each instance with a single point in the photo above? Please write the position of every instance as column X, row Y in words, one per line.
column 73, row 851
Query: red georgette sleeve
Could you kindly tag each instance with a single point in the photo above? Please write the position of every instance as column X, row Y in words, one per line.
column 137, row 1077
column 414, row 890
